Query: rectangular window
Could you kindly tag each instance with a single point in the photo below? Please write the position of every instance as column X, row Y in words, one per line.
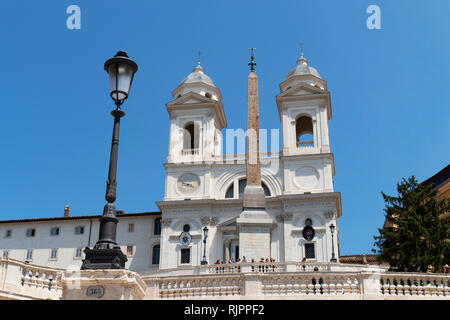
column 54, row 254
column 54, row 231
column 130, row 250
column 185, row 256
column 78, row 252
column 29, row 254
column 5, row 254
column 31, row 232
column 131, row 227
column 79, row 229
column 309, row 251
column 8, row 234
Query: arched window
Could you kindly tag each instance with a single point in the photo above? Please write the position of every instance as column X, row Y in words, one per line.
column 190, row 136
column 230, row 192
column 157, row 227
column 155, row 254
column 304, row 131
column 242, row 184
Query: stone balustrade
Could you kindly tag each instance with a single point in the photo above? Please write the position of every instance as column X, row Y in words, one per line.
column 273, row 280
column 401, row 285
column 313, row 285
column 20, row 280
column 200, row 287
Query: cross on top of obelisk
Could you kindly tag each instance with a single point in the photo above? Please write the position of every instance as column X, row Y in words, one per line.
column 252, row 63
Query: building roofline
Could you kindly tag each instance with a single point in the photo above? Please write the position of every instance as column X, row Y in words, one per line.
column 139, row 214
column 437, row 175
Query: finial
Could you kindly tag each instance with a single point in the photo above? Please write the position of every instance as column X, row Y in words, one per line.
column 199, row 53
column 252, row 63
column 302, row 59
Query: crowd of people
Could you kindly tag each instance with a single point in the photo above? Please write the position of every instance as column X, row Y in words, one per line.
column 244, row 260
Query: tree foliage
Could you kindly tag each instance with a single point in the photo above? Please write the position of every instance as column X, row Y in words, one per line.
column 418, row 234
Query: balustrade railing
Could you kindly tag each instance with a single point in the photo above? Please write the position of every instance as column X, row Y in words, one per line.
column 305, row 144
column 192, row 288
column 190, row 152
column 311, row 284
column 22, row 280
column 410, row 285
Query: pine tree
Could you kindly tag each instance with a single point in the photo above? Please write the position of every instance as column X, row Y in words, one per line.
column 419, row 232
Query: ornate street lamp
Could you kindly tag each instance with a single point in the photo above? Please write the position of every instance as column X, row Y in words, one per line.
column 333, row 257
column 205, row 236
column 106, row 254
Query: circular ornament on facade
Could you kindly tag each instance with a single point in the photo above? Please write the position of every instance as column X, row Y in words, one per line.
column 306, row 177
column 308, row 233
column 188, row 183
column 185, row 238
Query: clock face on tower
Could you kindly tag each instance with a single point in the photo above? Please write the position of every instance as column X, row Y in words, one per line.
column 188, row 183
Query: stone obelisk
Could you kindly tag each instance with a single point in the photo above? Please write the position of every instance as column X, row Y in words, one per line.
column 254, row 223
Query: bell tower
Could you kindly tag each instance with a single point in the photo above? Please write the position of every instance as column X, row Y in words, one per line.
column 304, row 108
column 196, row 119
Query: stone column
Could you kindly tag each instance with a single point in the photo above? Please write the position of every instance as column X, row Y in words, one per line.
column 281, row 247
column 227, row 248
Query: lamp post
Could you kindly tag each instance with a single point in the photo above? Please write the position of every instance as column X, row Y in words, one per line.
column 106, row 254
column 205, row 236
column 333, row 257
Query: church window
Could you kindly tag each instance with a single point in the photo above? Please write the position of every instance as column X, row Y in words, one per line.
column 157, row 227
column 190, row 137
column 185, row 257
column 8, row 233
column 304, row 131
column 155, row 254
column 309, row 251
column 230, row 192
column 131, row 227
column 242, row 184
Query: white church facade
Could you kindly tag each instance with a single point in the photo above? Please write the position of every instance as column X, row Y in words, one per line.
column 205, row 187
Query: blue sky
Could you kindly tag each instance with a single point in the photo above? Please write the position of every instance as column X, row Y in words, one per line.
column 389, row 89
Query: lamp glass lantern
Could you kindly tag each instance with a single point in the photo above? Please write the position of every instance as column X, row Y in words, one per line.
column 332, row 228
column 121, row 70
column 205, row 232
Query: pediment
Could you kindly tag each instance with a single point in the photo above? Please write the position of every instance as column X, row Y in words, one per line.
column 301, row 90
column 191, row 98
column 229, row 224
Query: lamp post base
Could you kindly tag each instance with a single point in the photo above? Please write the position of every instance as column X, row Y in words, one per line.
column 104, row 259
column 204, row 262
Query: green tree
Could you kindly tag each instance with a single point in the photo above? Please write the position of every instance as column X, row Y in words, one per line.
column 418, row 234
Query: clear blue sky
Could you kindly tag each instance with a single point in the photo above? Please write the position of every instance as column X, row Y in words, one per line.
column 390, row 96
